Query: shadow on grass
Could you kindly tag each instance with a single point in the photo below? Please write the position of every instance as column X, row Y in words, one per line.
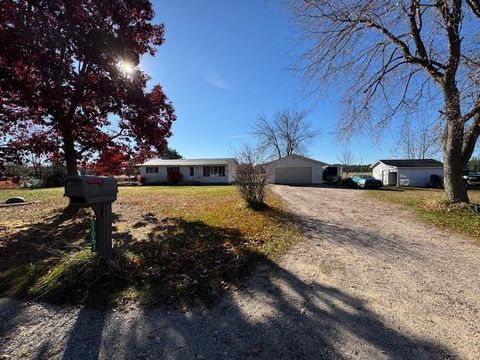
column 26, row 254
column 36, row 242
column 180, row 262
column 279, row 316
column 188, row 260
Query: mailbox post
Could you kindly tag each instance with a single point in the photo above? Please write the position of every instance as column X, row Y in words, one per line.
column 97, row 192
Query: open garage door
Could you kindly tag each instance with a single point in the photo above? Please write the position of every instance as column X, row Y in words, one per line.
column 293, row 175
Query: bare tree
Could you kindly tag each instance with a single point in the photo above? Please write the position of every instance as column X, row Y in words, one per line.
column 397, row 57
column 251, row 176
column 287, row 133
column 346, row 159
column 419, row 141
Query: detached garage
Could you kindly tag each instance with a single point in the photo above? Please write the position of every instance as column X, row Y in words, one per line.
column 295, row 169
column 412, row 172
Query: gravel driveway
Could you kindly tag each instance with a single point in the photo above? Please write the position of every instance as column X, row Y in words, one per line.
column 369, row 281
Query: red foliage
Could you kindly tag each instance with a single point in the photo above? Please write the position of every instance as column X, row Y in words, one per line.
column 113, row 161
column 174, row 177
column 61, row 82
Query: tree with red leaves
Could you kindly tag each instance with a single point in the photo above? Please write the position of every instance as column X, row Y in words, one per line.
column 113, row 161
column 70, row 82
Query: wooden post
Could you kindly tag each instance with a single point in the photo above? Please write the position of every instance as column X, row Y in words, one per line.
column 103, row 213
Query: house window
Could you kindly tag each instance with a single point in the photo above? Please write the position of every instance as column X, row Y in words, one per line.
column 221, row 171
column 192, row 171
column 152, row 170
column 172, row 169
column 213, row 171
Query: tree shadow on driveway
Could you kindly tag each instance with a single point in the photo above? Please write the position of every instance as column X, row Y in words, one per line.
column 347, row 235
column 276, row 316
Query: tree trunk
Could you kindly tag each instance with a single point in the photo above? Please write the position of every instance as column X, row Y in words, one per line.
column 70, row 154
column 453, row 162
column 71, row 163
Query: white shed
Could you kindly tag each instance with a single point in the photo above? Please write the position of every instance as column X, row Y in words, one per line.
column 409, row 172
column 295, row 169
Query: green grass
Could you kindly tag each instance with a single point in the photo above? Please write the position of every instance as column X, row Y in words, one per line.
column 173, row 244
column 32, row 195
column 430, row 206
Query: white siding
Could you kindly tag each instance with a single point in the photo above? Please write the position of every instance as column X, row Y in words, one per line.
column 161, row 176
column 294, row 161
column 406, row 176
column 153, row 178
column 381, row 171
column 417, row 176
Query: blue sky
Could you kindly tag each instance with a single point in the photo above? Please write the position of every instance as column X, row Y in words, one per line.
column 225, row 62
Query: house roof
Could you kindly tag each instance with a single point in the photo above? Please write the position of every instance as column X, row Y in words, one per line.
column 411, row 163
column 298, row 156
column 187, row 162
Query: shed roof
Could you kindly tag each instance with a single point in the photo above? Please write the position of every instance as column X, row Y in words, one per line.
column 411, row 163
column 187, row 162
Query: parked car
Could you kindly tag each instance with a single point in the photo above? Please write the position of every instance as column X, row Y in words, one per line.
column 367, row 182
column 471, row 178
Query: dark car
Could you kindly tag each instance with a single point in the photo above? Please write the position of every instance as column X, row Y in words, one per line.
column 367, row 182
column 471, row 178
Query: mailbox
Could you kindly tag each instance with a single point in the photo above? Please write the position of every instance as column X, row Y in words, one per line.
column 97, row 192
column 89, row 190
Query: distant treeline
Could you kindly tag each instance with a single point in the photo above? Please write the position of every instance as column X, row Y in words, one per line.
column 355, row 168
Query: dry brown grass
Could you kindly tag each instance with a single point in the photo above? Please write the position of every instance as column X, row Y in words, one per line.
column 430, row 206
column 177, row 245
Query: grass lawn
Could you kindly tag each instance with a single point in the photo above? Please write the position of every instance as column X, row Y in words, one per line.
column 430, row 205
column 176, row 245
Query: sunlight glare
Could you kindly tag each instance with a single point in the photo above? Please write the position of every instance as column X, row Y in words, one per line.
column 126, row 67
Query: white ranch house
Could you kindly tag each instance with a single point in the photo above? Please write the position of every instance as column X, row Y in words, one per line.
column 414, row 172
column 210, row 171
column 292, row 169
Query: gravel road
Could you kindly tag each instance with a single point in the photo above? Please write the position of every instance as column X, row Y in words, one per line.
column 369, row 281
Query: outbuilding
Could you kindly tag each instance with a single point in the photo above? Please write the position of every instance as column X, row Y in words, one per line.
column 406, row 172
column 295, row 170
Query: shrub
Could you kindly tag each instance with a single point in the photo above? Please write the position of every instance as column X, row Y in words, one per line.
column 251, row 177
column 251, row 182
column 174, row 177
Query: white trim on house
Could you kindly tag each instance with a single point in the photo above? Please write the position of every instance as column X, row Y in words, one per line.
column 210, row 171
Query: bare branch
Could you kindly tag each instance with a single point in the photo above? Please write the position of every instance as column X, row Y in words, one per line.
column 287, row 133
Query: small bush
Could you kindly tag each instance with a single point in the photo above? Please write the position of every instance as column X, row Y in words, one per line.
column 174, row 177
column 251, row 182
